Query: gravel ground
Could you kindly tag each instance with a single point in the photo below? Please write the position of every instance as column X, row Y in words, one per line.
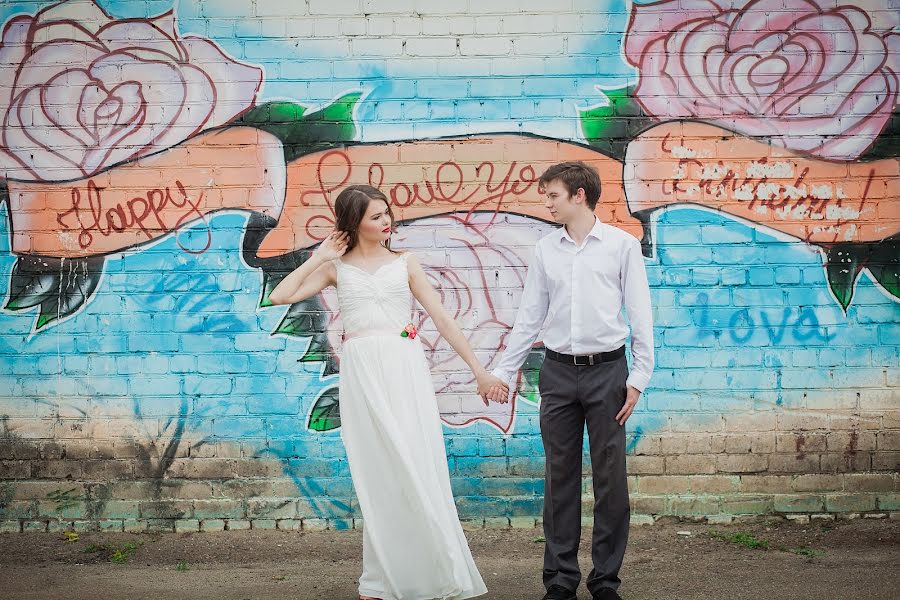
column 830, row 559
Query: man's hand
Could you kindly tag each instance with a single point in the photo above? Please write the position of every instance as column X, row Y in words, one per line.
column 499, row 393
column 631, row 397
column 491, row 388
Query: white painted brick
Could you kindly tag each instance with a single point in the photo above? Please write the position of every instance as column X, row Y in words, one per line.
column 407, row 26
column 376, row 46
column 389, row 6
column 461, row 25
column 526, row 24
column 377, row 25
column 439, row 7
column 353, row 26
column 432, row 46
column 488, row 25
column 335, row 7
column 566, row 23
column 495, row 7
column 542, row 45
column 485, row 46
column 324, row 28
column 298, row 28
column 542, row 6
column 435, row 27
column 277, row 8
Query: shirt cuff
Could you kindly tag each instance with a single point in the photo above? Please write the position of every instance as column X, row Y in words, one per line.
column 504, row 376
column 637, row 380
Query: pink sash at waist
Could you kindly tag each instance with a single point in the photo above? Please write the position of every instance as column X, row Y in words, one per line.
column 370, row 332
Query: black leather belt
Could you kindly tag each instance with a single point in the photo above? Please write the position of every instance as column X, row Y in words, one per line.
column 584, row 360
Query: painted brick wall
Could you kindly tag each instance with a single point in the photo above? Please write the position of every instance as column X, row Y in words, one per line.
column 164, row 168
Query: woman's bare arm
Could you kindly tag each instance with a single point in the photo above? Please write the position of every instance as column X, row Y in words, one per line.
column 489, row 387
column 312, row 276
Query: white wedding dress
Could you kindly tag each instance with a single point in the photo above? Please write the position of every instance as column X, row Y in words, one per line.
column 413, row 543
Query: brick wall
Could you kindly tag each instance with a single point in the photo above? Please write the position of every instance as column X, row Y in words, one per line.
column 151, row 198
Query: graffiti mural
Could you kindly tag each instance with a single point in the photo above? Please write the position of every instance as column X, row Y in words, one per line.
column 163, row 172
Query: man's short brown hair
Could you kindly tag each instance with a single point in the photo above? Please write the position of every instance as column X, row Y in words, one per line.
column 574, row 175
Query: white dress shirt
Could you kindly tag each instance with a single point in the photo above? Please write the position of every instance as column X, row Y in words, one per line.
column 576, row 295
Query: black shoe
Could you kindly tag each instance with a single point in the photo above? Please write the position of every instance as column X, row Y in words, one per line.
column 558, row 592
column 606, row 594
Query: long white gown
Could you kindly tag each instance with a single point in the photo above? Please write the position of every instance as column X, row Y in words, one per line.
column 413, row 543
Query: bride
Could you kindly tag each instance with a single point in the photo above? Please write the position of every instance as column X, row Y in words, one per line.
column 413, row 543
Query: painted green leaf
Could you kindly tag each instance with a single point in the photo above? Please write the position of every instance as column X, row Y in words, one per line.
column 59, row 287
column 273, row 116
column 304, row 132
column 34, row 280
column 301, row 319
column 888, row 276
column 278, row 118
column 274, row 270
column 308, row 318
column 271, row 279
column 844, row 262
column 842, row 266
column 528, row 386
column 884, row 265
column 325, row 414
column 610, row 128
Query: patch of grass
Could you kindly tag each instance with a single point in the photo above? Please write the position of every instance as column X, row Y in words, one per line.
column 182, row 565
column 539, row 540
column 113, row 554
column 123, row 554
column 742, row 538
column 805, row 551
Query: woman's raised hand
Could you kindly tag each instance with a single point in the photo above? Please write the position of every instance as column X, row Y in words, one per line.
column 334, row 246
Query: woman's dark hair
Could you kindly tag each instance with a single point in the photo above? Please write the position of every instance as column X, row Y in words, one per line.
column 350, row 207
column 574, row 175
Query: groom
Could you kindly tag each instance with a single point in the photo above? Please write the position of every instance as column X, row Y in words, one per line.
column 581, row 277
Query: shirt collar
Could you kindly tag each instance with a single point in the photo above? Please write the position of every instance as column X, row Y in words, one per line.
column 596, row 231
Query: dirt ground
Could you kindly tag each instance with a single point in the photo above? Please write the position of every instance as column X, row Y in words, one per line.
column 832, row 559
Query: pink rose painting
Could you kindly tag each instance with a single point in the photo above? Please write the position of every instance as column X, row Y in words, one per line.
column 83, row 91
column 477, row 263
column 815, row 77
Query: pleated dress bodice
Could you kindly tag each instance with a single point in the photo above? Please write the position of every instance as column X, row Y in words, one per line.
column 380, row 300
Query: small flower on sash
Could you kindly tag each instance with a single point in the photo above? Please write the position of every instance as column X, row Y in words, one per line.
column 409, row 331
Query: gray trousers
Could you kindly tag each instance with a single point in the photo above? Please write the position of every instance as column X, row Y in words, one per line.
column 570, row 397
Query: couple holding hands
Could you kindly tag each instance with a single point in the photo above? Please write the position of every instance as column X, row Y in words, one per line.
column 580, row 278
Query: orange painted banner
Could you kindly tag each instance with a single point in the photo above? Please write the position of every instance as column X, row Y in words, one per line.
column 243, row 168
column 139, row 202
column 817, row 201
column 497, row 173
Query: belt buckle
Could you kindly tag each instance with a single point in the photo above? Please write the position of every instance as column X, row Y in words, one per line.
column 590, row 361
